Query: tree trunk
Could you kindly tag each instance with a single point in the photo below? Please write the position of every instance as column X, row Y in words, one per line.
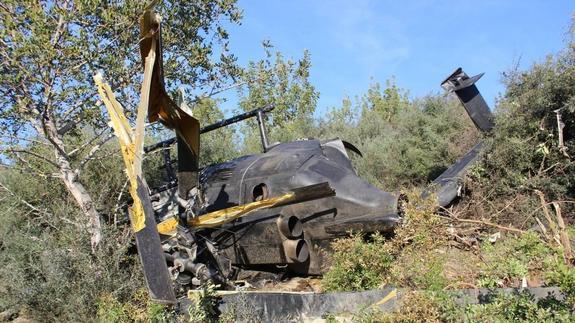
column 69, row 176
column 84, row 201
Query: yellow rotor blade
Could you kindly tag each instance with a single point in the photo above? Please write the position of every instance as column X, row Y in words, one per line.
column 220, row 217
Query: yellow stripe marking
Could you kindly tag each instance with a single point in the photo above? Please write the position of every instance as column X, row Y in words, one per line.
column 387, row 298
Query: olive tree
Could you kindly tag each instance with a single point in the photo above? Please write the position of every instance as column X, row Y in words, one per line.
column 285, row 84
column 50, row 50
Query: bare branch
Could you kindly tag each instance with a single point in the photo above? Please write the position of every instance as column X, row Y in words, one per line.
column 67, row 113
column 483, row 222
column 227, row 88
column 563, row 235
column 93, row 151
column 49, row 130
column 560, row 126
column 60, row 28
column 546, row 212
column 453, row 217
column 69, row 125
column 31, row 153
column 28, row 169
column 89, row 142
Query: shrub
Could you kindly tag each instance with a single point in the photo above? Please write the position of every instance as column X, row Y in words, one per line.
column 204, row 307
column 404, row 146
column 442, row 307
column 520, row 307
column 138, row 308
column 49, row 269
column 523, row 153
column 508, row 260
column 358, row 264
column 408, row 259
column 563, row 276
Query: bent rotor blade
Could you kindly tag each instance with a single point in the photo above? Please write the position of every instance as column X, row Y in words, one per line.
column 161, row 107
column 151, row 254
column 141, row 213
column 147, row 239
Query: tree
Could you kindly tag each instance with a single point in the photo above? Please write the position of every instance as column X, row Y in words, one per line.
column 218, row 145
column 386, row 103
column 284, row 84
column 51, row 49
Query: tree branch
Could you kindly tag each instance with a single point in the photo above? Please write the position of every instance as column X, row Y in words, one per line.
column 16, row 151
column 452, row 217
column 28, row 169
column 11, row 138
column 483, row 222
column 87, row 143
column 93, row 151
column 49, row 130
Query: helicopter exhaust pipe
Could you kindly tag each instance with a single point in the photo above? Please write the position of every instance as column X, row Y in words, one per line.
column 296, row 250
column 465, row 89
column 290, row 226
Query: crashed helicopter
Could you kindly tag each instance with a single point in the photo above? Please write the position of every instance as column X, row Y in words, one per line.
column 273, row 211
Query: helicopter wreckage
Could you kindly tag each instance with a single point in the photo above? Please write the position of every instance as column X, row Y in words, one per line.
column 274, row 211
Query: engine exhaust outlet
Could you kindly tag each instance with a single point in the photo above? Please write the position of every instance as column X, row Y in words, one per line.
column 290, row 226
column 296, row 250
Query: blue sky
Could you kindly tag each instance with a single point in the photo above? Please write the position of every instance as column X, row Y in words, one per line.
column 356, row 42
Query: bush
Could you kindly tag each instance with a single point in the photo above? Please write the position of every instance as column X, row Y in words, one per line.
column 137, row 308
column 49, row 269
column 508, row 260
column 408, row 259
column 518, row 308
column 563, row 276
column 406, row 146
column 358, row 264
column 523, row 153
column 442, row 307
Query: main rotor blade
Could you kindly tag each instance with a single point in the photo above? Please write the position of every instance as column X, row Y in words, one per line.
column 151, row 254
column 161, row 107
column 141, row 213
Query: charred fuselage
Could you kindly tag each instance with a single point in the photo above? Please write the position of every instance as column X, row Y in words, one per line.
column 294, row 235
column 265, row 237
